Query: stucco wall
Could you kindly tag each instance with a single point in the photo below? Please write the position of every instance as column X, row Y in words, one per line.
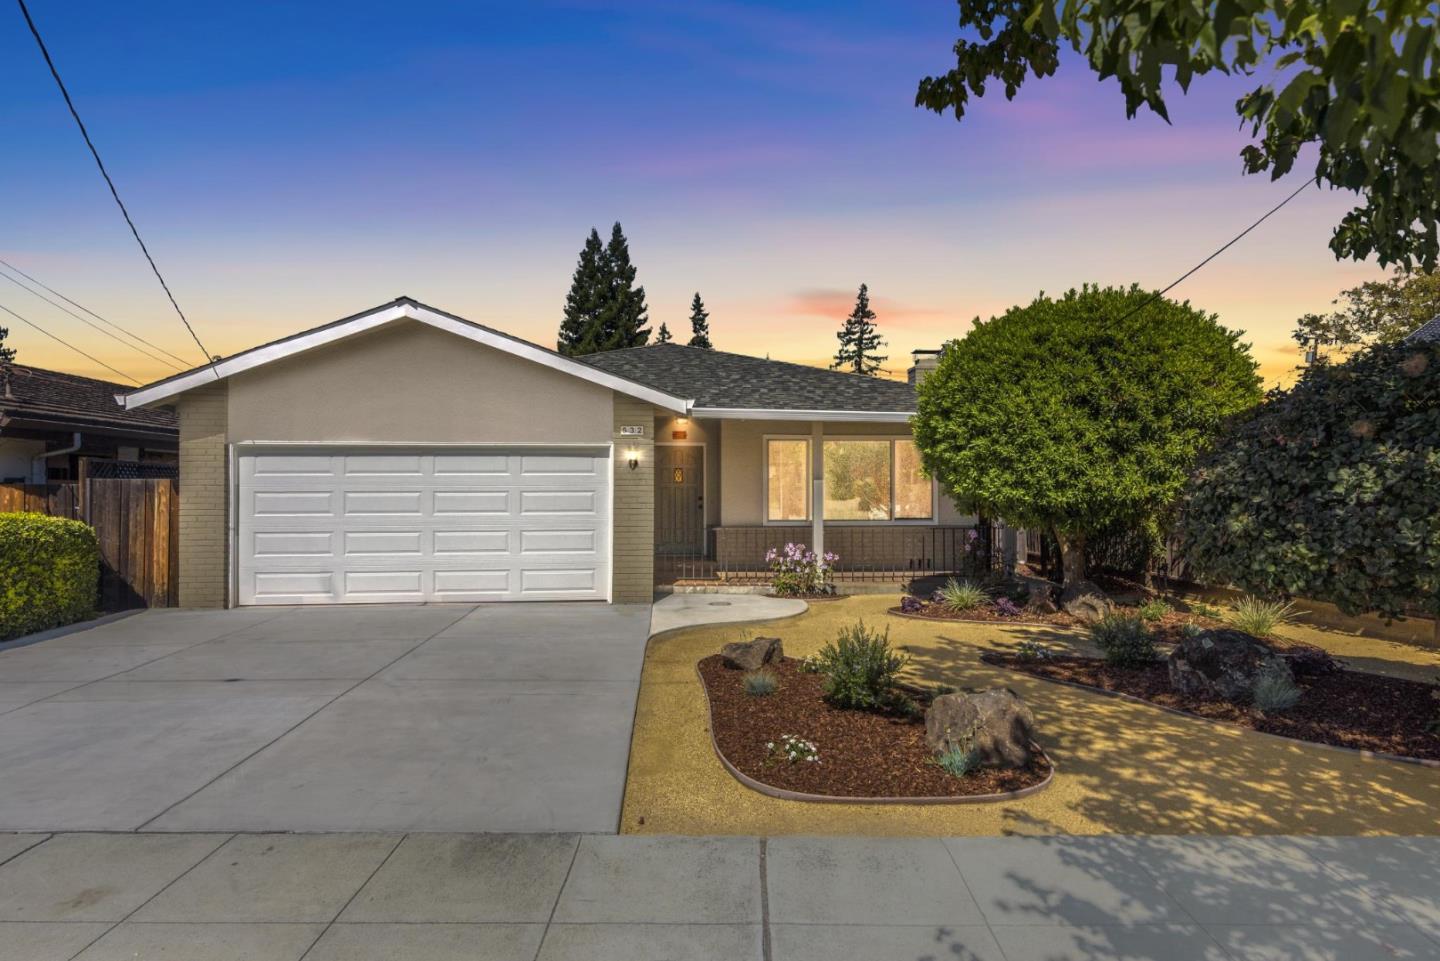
column 411, row 383
column 742, row 484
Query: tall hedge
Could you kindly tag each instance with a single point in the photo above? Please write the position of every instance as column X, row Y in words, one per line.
column 49, row 573
column 1331, row 489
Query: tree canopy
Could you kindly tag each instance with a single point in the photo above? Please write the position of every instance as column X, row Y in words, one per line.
column 604, row 310
column 699, row 324
column 7, row 354
column 1331, row 490
column 1067, row 415
column 1358, row 79
column 1376, row 312
column 662, row 336
column 859, row 339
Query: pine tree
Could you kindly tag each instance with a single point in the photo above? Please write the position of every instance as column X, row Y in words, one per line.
column 699, row 324
column 859, row 340
column 604, row 309
column 7, row 354
column 663, row 335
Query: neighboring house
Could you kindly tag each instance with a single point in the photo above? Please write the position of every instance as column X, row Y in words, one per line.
column 1428, row 332
column 407, row 454
column 50, row 420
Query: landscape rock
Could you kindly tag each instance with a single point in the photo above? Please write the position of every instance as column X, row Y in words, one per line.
column 752, row 655
column 1086, row 601
column 997, row 724
column 1307, row 660
column 1222, row 663
column 1040, row 593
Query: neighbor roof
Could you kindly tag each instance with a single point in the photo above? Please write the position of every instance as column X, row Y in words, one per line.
column 1428, row 332
column 48, row 398
column 401, row 308
column 735, row 385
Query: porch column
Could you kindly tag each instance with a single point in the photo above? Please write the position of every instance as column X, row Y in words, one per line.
column 817, row 487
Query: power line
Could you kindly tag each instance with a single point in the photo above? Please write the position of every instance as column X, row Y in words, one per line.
column 89, row 323
column 92, row 313
column 44, row 52
column 77, row 350
column 1232, row 242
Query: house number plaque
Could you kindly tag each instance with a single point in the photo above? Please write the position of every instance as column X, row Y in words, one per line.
column 632, row 431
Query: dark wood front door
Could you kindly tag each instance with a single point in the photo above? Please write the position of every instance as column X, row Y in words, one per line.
column 679, row 500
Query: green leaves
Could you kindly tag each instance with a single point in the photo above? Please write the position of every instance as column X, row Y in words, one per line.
column 1360, row 79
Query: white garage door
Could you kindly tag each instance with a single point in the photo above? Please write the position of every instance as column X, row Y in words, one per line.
column 350, row 525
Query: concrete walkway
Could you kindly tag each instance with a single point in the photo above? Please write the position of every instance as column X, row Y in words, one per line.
column 428, row 897
column 692, row 610
column 450, row 717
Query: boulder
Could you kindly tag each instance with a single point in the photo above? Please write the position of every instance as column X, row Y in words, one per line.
column 1307, row 660
column 1222, row 663
column 996, row 724
column 1040, row 593
column 1086, row 601
column 752, row 655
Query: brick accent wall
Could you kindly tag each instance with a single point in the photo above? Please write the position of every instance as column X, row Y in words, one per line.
column 633, row 574
column 204, row 497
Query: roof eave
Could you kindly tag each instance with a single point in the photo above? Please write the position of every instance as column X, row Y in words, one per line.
column 781, row 413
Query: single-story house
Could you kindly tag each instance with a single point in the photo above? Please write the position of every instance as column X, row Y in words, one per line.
column 407, row 454
column 50, row 420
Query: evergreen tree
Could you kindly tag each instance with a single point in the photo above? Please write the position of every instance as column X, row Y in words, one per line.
column 663, row 335
column 859, row 340
column 604, row 309
column 699, row 324
column 7, row 354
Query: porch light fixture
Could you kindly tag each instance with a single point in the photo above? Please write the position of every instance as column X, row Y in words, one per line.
column 634, row 455
column 682, row 422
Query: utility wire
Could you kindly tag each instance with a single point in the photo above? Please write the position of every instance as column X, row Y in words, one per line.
column 128, row 333
column 35, row 32
column 89, row 323
column 77, row 350
column 1232, row 242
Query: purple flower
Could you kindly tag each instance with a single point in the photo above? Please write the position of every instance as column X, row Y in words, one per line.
column 1006, row 607
column 910, row 604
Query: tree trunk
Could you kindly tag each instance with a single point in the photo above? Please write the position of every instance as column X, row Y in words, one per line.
column 1072, row 558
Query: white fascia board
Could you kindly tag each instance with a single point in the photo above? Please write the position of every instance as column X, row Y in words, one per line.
column 286, row 348
column 748, row 413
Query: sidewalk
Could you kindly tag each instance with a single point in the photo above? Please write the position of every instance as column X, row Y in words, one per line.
column 355, row 897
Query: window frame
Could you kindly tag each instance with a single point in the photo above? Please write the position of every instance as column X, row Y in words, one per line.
column 809, row 439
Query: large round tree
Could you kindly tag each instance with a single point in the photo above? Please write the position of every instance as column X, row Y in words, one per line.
column 1331, row 490
column 1079, row 413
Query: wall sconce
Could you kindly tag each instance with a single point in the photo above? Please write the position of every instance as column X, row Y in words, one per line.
column 634, row 455
column 682, row 422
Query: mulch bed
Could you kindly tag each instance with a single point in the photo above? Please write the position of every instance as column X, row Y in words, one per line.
column 862, row 754
column 1367, row 712
column 1166, row 630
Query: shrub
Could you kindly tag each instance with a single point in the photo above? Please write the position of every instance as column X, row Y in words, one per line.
column 861, row 670
column 1274, row 691
column 1260, row 617
column 1028, row 650
column 792, row 750
column 760, row 683
column 1190, row 629
column 1125, row 641
column 49, row 573
column 810, row 664
column 910, row 604
column 1154, row 609
column 962, row 595
column 1201, row 609
column 959, row 761
column 1006, row 607
column 796, row 571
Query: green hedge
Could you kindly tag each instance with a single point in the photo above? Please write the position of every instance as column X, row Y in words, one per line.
column 49, row 573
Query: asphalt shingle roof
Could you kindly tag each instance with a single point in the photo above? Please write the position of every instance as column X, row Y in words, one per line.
column 1428, row 332
column 715, row 378
column 65, row 399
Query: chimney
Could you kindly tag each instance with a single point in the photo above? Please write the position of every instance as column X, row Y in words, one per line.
column 922, row 362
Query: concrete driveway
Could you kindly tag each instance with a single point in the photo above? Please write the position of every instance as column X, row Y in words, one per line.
column 488, row 718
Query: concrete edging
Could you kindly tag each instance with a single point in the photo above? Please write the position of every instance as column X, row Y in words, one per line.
column 896, row 612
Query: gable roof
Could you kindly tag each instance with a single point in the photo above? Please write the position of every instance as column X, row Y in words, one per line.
column 48, row 398
column 401, row 308
column 1428, row 332
column 736, row 385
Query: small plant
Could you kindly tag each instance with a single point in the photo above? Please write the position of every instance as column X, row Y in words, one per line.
column 962, row 595
column 910, row 604
column 1190, row 629
column 1154, row 610
column 810, row 664
column 940, row 690
column 1260, row 617
column 1028, row 650
column 1274, row 691
column 959, row 761
column 796, row 571
column 1006, row 607
column 792, row 750
column 761, row 683
column 1125, row 641
column 861, row 669
column 1201, row 609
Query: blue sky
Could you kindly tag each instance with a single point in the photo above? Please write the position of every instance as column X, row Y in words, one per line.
column 292, row 163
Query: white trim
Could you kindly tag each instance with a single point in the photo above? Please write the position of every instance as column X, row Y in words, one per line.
column 765, row 520
column 768, row 413
column 379, row 318
column 932, row 521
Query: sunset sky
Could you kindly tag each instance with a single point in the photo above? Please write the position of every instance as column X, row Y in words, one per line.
column 289, row 164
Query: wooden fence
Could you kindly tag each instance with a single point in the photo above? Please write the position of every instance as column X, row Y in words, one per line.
column 136, row 521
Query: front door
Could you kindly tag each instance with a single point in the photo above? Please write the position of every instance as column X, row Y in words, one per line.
column 679, row 500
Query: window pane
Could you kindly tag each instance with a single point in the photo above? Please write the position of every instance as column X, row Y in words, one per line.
column 857, row 480
column 912, row 487
column 789, row 472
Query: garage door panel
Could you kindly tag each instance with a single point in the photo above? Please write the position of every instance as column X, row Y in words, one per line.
column 352, row 526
